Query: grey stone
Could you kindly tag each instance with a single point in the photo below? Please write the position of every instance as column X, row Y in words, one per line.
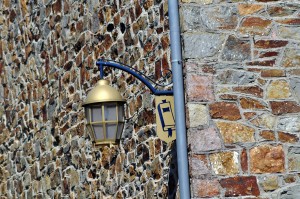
column 289, row 124
column 290, row 193
column 236, row 77
column 202, row 45
column 236, row 49
column 288, row 32
column 295, row 86
column 291, row 57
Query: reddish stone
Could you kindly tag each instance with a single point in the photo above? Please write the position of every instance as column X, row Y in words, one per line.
column 165, row 42
column 266, row 0
column 268, row 54
column 268, row 135
column 240, row 186
column 12, row 15
column 208, row 69
column 57, row 6
column 267, row 159
column 270, row 43
column 254, row 90
column 157, row 69
column 291, row 21
column 255, row 25
column 262, row 63
column 199, row 88
column 249, row 115
column 244, row 161
column 248, row 103
column 273, row 73
column 148, row 47
column 107, row 41
column 287, row 137
column 206, row 188
column 225, row 110
column 279, row 108
column 138, row 9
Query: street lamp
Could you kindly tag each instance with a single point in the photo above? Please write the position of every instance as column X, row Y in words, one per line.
column 104, row 106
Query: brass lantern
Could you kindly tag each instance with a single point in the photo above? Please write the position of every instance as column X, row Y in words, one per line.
column 104, row 111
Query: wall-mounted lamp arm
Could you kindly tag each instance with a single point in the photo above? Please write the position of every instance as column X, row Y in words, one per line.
column 101, row 64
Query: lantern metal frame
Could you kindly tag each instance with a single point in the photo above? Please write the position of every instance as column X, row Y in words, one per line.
column 103, row 94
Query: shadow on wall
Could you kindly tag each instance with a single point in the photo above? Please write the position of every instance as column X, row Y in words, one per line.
column 173, row 174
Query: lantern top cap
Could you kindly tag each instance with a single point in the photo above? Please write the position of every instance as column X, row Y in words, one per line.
column 102, row 92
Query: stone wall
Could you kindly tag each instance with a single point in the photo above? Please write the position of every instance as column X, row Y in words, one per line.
column 242, row 62
column 48, row 51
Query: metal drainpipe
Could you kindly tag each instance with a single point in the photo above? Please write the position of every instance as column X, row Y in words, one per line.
column 176, row 60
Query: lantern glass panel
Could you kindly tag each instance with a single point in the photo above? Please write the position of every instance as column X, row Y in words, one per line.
column 111, row 131
column 96, row 113
column 98, row 130
column 121, row 112
column 120, row 129
column 110, row 112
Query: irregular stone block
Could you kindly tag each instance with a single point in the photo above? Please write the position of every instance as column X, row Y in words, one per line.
column 270, row 44
column 234, row 132
column 290, row 192
column 280, row 10
column 267, row 159
column 202, row 45
column 253, row 90
column 289, row 124
column 267, row 135
column 253, row 104
column 224, row 110
column 199, row 88
column 291, row 57
column 236, row 49
column 198, row 165
column 284, row 107
column 235, row 77
column 246, row 9
column 224, row 163
column 295, row 86
column 255, row 26
column 204, row 140
column 288, row 32
column 273, row 73
column 293, row 159
column 197, row 115
column 205, row 188
column 269, row 183
column 278, row 89
column 287, row 137
column 240, row 186
column 265, row 120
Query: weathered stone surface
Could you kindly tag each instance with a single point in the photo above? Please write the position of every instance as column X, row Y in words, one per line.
column 269, row 183
column 284, row 107
column 199, row 88
column 236, row 77
column 224, row 163
column 202, row 45
column 289, row 124
column 205, row 188
column 289, row 192
column 273, row 73
column 255, row 25
column 270, row 43
column 234, row 132
column 197, row 115
column 280, row 10
column 267, row 159
column 253, row 104
column 267, row 135
column 244, row 161
column 224, row 110
column 278, row 89
column 293, row 157
column 264, row 120
column 236, row 49
column 204, row 2
column 240, row 186
column 199, row 165
column 290, row 21
column 287, row 32
column 291, row 57
column 253, row 90
column 246, row 9
column 217, row 17
column 287, row 137
column 295, row 86
column 204, row 140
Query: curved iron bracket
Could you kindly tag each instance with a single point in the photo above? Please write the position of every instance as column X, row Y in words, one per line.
column 102, row 63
